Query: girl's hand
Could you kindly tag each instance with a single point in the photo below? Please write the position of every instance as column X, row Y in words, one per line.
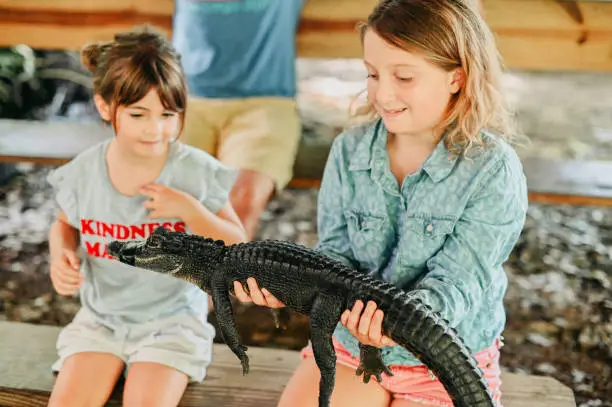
column 260, row 297
column 368, row 328
column 166, row 202
column 65, row 275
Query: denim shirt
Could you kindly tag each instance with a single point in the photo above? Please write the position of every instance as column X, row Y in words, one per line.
column 444, row 234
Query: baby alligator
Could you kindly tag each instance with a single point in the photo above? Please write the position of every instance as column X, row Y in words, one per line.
column 321, row 288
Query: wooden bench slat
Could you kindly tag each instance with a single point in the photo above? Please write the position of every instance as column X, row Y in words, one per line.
column 28, row 351
column 48, row 140
column 569, row 181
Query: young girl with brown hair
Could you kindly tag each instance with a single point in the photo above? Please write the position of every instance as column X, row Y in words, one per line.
column 124, row 188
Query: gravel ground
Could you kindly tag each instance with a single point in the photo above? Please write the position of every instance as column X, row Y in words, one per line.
column 559, row 300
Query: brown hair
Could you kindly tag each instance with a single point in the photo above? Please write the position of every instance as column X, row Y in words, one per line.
column 128, row 67
column 450, row 34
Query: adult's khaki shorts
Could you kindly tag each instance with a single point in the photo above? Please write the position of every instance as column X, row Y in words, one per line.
column 259, row 133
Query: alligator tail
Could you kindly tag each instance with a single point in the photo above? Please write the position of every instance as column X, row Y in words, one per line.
column 414, row 326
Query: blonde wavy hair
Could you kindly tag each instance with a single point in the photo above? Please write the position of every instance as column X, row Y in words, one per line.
column 449, row 34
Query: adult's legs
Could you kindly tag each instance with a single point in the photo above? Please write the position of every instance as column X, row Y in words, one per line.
column 250, row 196
column 258, row 136
column 261, row 139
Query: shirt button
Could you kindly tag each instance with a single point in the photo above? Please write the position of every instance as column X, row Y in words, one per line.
column 429, row 227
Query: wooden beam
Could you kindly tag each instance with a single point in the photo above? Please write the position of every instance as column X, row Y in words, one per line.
column 531, row 34
column 28, row 351
column 542, row 35
column 573, row 9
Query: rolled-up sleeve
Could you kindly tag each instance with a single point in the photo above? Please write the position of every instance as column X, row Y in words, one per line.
column 469, row 264
column 331, row 222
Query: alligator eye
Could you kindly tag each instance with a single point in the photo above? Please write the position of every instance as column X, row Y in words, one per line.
column 154, row 243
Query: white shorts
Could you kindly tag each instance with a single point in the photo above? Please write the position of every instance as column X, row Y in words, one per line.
column 183, row 342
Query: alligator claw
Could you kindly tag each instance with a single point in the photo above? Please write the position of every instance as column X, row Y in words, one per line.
column 244, row 360
column 371, row 364
column 373, row 371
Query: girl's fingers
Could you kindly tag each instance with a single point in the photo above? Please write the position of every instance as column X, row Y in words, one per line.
column 154, row 214
column 58, row 274
column 255, row 292
column 345, row 316
column 64, row 288
column 240, row 293
column 375, row 332
column 272, row 301
column 68, row 275
column 366, row 318
column 354, row 316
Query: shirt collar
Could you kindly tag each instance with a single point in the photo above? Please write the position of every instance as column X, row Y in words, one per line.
column 372, row 148
column 362, row 156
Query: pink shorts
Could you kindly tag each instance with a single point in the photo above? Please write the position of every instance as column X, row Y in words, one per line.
column 416, row 383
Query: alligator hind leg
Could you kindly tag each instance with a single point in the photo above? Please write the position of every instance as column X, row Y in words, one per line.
column 226, row 321
column 371, row 363
column 324, row 317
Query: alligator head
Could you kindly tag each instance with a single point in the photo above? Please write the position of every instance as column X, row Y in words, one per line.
column 177, row 254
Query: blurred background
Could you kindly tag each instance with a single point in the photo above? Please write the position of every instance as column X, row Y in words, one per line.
column 559, row 79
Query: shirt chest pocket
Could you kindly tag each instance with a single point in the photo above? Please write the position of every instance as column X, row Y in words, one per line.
column 423, row 237
column 369, row 237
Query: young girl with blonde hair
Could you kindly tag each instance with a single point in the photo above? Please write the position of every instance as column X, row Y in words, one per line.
column 428, row 195
column 151, row 325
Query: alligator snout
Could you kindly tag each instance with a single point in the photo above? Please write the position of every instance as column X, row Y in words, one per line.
column 125, row 252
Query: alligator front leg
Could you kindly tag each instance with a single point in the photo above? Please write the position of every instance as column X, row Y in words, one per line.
column 324, row 317
column 226, row 321
column 371, row 363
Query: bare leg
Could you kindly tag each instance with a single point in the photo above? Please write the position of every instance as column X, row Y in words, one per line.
column 303, row 388
column 249, row 197
column 153, row 385
column 407, row 403
column 86, row 379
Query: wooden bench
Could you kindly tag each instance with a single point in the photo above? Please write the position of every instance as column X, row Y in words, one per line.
column 28, row 351
column 549, row 181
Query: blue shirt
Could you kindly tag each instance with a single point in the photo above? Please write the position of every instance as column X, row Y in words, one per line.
column 238, row 48
column 445, row 233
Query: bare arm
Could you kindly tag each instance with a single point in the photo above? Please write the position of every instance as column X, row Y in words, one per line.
column 225, row 225
column 166, row 202
column 62, row 236
column 64, row 263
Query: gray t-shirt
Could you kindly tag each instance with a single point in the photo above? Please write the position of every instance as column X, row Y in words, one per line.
column 116, row 293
